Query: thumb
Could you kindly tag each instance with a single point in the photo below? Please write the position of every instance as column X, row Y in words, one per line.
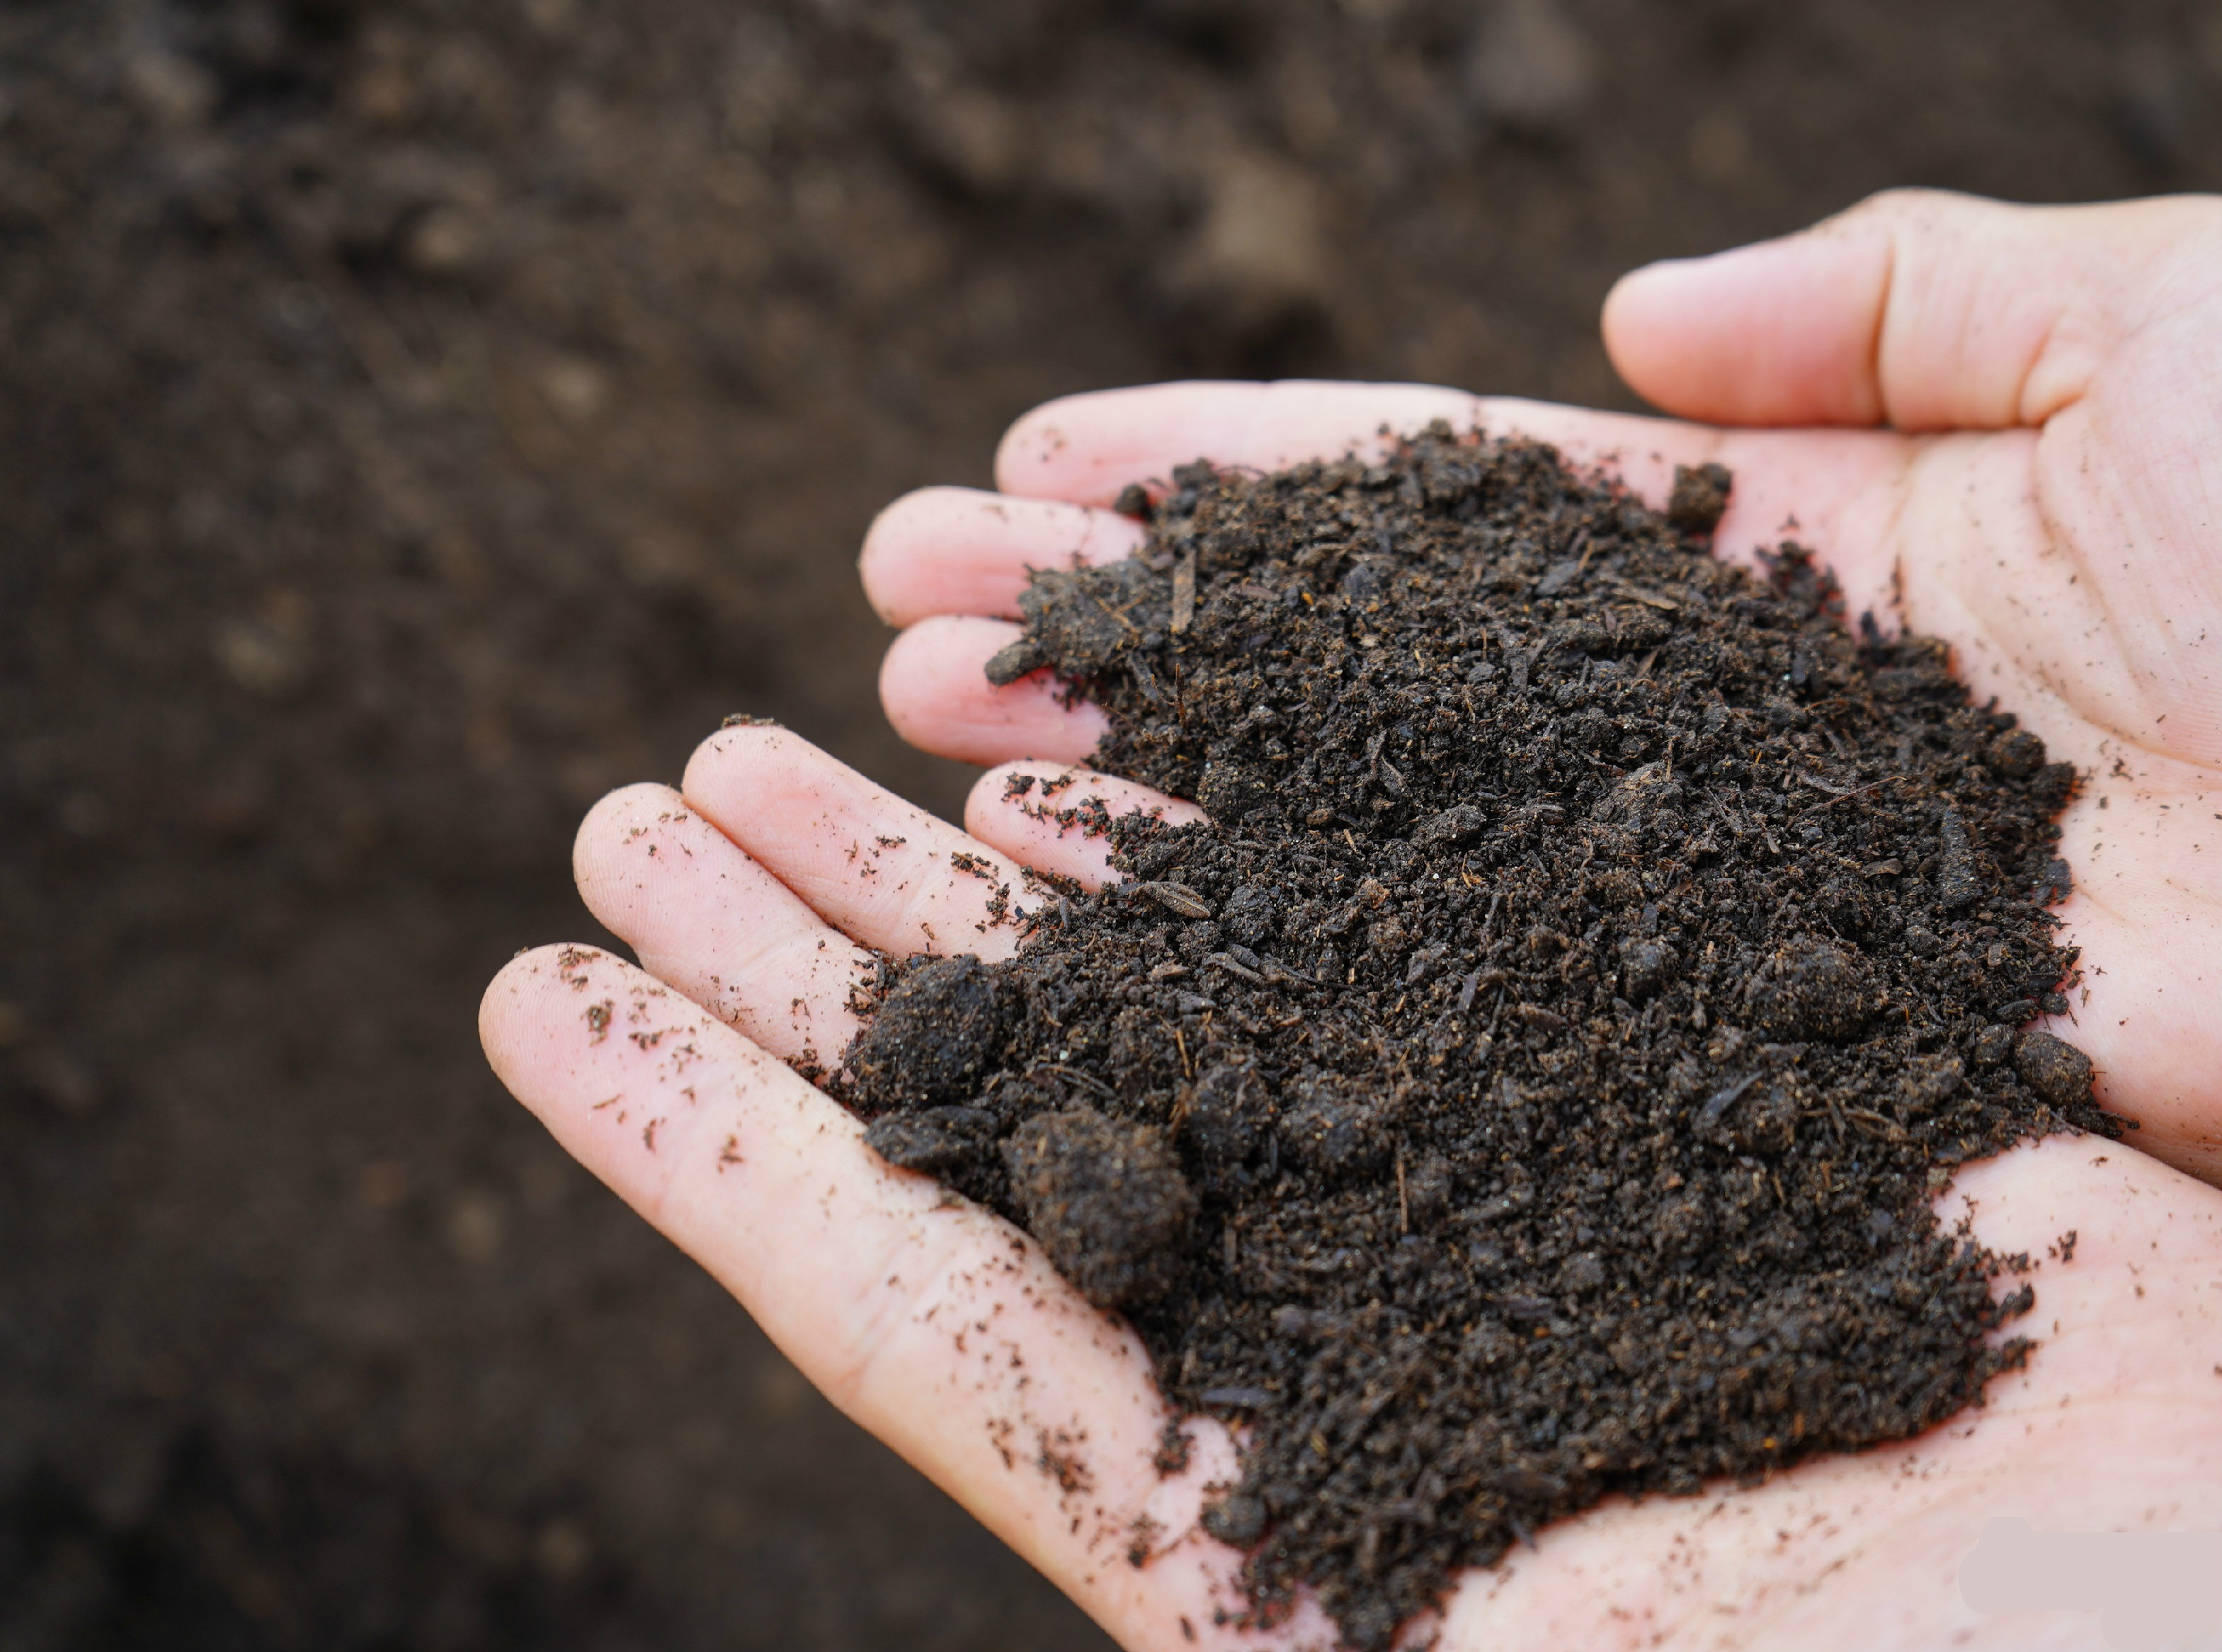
column 1917, row 309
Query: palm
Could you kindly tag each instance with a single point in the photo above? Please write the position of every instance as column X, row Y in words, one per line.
column 2064, row 564
column 751, row 896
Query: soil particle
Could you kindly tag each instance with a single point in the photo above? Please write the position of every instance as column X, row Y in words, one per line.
column 2052, row 1067
column 1700, row 499
column 1957, row 881
column 1229, row 1108
column 940, row 1140
column 1529, row 1085
column 933, row 1037
column 1812, row 988
column 1108, row 1200
column 1331, row 1132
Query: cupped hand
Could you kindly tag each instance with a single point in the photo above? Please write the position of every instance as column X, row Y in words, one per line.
column 2041, row 501
column 2047, row 497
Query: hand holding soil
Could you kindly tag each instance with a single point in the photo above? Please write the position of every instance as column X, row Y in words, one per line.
column 2046, row 526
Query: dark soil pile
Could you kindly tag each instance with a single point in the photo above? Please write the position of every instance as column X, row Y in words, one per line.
column 1532, row 1084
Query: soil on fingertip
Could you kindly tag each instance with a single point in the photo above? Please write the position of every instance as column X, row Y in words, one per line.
column 1533, row 1081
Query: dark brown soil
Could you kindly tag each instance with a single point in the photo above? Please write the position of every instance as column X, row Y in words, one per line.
column 1533, row 1082
column 416, row 416
column 234, row 1551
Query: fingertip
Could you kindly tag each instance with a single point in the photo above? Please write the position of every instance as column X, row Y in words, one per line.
column 933, row 687
column 728, row 758
column 756, row 782
column 509, row 1007
column 498, row 1001
column 1642, row 316
column 612, row 818
column 891, row 541
column 991, row 794
column 1084, row 448
column 1027, row 456
column 1778, row 332
column 1039, row 814
column 958, row 550
column 917, row 677
column 1664, row 330
column 898, row 669
column 872, row 555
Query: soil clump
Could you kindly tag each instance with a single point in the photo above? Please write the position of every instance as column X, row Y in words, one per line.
column 1534, row 1079
column 1532, row 1083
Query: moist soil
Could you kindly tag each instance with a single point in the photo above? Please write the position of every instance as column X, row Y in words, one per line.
column 1533, row 1082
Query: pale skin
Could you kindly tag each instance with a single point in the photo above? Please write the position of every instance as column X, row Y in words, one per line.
column 2012, row 416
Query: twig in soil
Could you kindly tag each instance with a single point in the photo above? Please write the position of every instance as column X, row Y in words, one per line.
column 1638, row 593
column 1177, row 898
column 1723, row 1099
column 1890, row 1129
column 1836, row 796
column 1085, row 1080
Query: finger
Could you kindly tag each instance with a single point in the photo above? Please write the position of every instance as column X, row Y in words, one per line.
column 945, row 550
column 2116, row 1423
column 933, row 1324
column 1839, row 493
column 1085, row 449
column 1055, row 817
column 950, row 551
column 705, row 918
column 934, row 685
column 878, row 869
column 1087, row 446
column 1920, row 309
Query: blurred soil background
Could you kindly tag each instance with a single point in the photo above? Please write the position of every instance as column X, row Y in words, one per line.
column 418, row 417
